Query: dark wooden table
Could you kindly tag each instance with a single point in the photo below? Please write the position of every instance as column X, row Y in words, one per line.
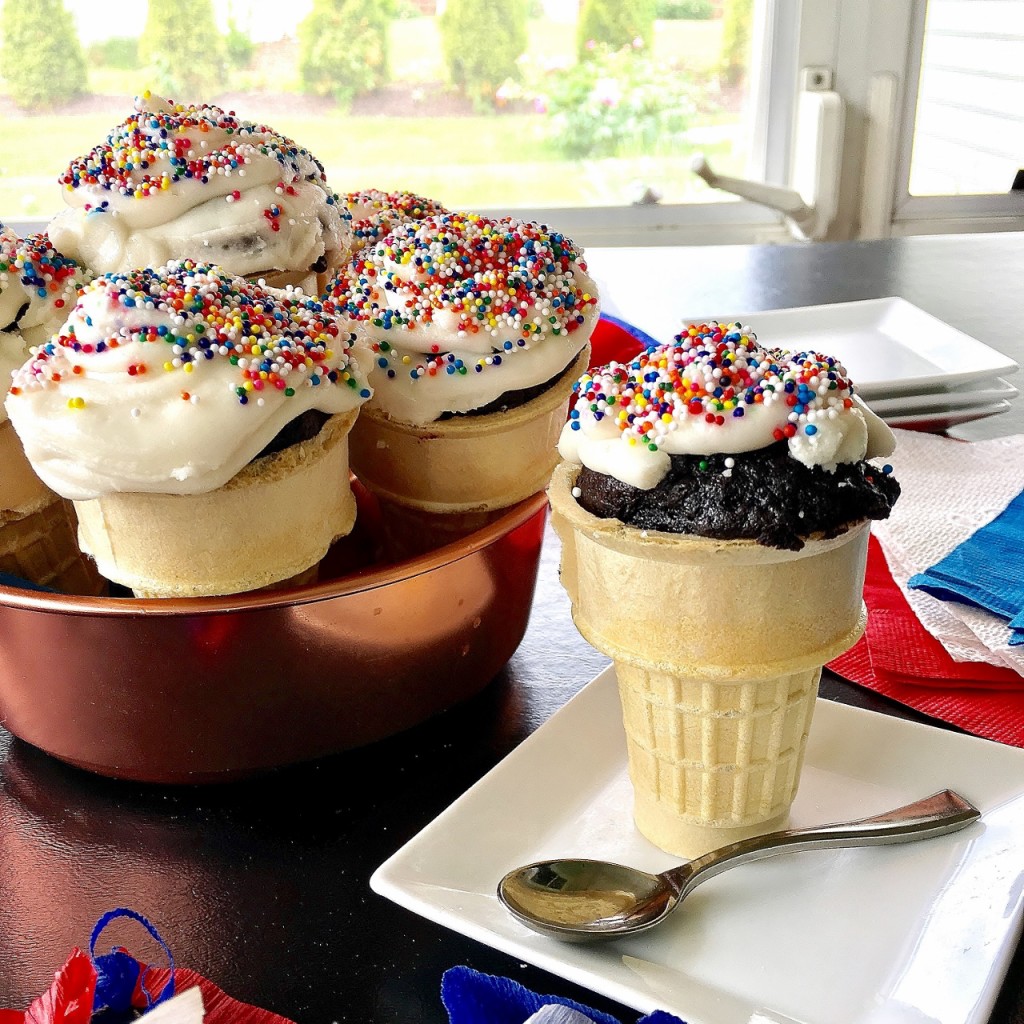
column 263, row 886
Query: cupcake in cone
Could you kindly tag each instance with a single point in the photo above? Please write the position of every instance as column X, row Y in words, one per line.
column 37, row 529
column 199, row 423
column 480, row 327
column 714, row 506
column 375, row 213
column 175, row 182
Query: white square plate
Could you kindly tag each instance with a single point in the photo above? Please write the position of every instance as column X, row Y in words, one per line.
column 938, row 418
column 888, row 346
column 888, row 935
column 974, row 395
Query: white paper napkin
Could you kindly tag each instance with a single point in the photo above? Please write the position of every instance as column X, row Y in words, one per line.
column 950, row 490
column 553, row 1014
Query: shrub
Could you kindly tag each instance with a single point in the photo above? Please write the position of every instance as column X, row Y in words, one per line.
column 737, row 25
column 343, row 48
column 181, row 49
column 238, row 47
column 121, row 52
column 481, row 40
column 41, row 56
column 684, row 10
column 618, row 102
column 614, row 23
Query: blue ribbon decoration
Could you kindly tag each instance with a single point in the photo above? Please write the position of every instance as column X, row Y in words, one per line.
column 118, row 972
column 474, row 998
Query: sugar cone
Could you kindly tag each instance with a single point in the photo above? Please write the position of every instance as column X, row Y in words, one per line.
column 311, row 282
column 270, row 523
column 718, row 648
column 20, row 488
column 441, row 481
column 37, row 528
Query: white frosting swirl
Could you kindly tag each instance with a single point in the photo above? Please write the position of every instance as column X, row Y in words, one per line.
column 37, row 291
column 172, row 380
column 175, row 181
column 374, row 212
column 462, row 309
column 715, row 391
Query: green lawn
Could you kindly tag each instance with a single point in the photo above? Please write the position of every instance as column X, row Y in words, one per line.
column 493, row 161
column 500, row 168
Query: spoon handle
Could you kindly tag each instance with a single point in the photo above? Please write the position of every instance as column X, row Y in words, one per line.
column 934, row 816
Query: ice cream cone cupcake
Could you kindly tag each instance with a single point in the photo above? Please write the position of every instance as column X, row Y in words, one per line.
column 713, row 508
column 37, row 528
column 200, row 425
column 177, row 181
column 480, row 328
column 374, row 213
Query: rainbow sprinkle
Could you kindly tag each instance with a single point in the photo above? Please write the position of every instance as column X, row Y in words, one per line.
column 155, row 149
column 280, row 340
column 514, row 281
column 388, row 210
column 714, row 372
column 44, row 273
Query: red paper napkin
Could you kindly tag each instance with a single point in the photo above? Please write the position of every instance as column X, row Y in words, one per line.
column 613, row 340
column 897, row 657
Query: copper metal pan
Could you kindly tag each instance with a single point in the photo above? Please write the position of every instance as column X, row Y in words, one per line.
column 204, row 689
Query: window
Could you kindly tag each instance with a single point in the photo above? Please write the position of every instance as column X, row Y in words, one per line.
column 598, row 142
column 595, row 136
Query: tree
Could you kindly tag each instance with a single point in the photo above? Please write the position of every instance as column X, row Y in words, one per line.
column 481, row 40
column 616, row 23
column 41, row 56
column 343, row 47
column 737, row 21
column 182, row 49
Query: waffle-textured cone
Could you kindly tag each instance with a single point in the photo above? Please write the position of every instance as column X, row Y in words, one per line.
column 442, row 480
column 311, row 282
column 718, row 648
column 406, row 532
column 711, row 761
column 40, row 546
column 272, row 521
column 20, row 489
column 37, row 528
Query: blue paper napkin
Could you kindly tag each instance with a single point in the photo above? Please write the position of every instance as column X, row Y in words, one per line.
column 474, row 998
column 9, row 580
column 986, row 570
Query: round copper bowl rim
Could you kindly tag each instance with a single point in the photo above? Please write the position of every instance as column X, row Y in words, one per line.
column 364, row 579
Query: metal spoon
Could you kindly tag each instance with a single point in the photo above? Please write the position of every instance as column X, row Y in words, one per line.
column 585, row 900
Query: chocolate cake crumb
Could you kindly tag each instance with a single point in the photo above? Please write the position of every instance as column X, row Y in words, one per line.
column 765, row 495
column 295, row 431
column 513, row 399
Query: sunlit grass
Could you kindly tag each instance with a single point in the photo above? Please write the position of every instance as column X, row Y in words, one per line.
column 489, row 161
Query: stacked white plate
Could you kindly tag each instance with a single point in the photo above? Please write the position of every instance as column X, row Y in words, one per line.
column 913, row 369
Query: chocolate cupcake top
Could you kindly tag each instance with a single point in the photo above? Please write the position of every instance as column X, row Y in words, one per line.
column 715, row 390
column 172, row 379
column 462, row 309
column 175, row 181
column 716, row 436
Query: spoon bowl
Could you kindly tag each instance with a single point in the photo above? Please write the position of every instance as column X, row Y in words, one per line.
column 579, row 900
